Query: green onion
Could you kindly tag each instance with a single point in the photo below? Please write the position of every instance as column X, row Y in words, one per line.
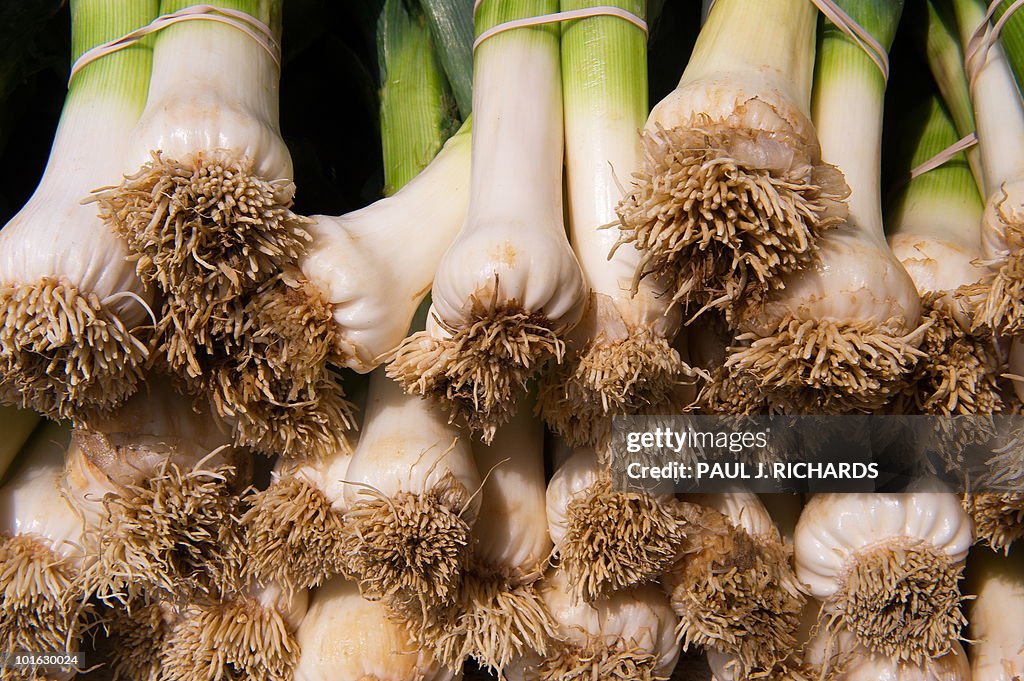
column 737, row 122
column 934, row 232
column 509, row 288
column 451, row 23
column 1012, row 39
column 946, row 60
column 623, row 360
column 41, row 599
column 71, row 305
column 999, row 112
column 943, row 202
column 414, row 99
column 840, row 336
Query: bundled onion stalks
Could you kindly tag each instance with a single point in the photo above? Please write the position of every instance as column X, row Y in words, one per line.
column 843, row 333
column 891, row 577
column 509, row 287
column 607, row 539
column 620, row 359
column 629, row 636
column 157, row 485
column 412, row 491
column 208, row 219
column 74, row 316
column 733, row 587
column 734, row 194
column 41, row 557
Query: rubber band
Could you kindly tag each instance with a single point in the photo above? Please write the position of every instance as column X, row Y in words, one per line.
column 857, row 33
column 947, row 154
column 252, row 27
column 985, row 37
column 557, row 17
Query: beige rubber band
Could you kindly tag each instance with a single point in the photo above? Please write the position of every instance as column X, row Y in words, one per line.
column 558, row 17
column 845, row 23
column 984, row 37
column 947, row 154
column 246, row 23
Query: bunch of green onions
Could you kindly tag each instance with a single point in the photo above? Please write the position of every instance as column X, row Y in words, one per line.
column 181, row 492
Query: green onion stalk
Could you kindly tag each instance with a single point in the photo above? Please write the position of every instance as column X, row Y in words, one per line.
column 733, row 193
column 620, row 359
column 412, row 494
column 74, row 316
column 346, row 636
column 248, row 634
column 842, row 335
column 607, row 538
column 1012, row 39
column 374, row 290
column 734, row 587
column 509, row 288
column 628, row 636
column 946, row 62
column 996, row 615
column 415, row 102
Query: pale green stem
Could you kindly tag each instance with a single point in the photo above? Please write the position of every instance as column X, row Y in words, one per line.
column 946, row 60
column 944, row 202
column 604, row 91
column 998, row 109
column 774, row 38
column 849, row 91
column 121, row 76
column 414, row 99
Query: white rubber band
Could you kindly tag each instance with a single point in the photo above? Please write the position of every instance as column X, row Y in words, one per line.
column 558, row 17
column 246, row 23
column 945, row 155
column 845, row 23
column 984, row 37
